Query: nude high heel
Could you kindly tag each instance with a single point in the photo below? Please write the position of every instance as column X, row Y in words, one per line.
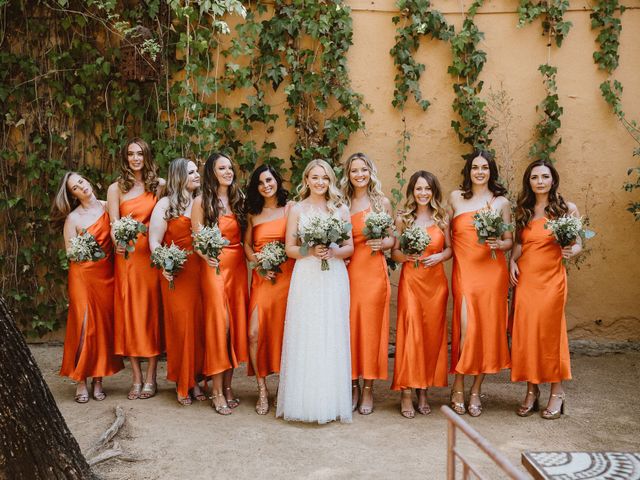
column 524, row 411
column 554, row 414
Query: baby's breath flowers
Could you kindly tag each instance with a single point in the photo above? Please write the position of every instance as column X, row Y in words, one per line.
column 377, row 226
column 171, row 259
column 567, row 229
column 414, row 241
column 84, row 248
column 126, row 231
column 490, row 224
column 269, row 259
column 323, row 230
column 210, row 242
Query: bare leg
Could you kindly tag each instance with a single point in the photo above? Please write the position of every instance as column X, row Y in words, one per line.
column 232, row 401
column 355, row 394
column 555, row 406
column 423, row 402
column 406, row 404
column 82, row 393
column 218, row 402
column 530, row 403
column 366, row 402
column 96, row 387
column 457, row 395
column 136, row 386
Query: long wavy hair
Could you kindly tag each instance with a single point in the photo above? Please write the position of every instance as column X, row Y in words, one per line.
column 64, row 202
column 374, row 189
column 410, row 207
column 127, row 179
column 176, row 190
column 254, row 202
column 210, row 202
column 333, row 196
column 527, row 198
column 494, row 177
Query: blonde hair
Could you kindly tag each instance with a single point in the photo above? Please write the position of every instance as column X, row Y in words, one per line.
column 177, row 193
column 333, row 195
column 374, row 188
column 64, row 202
column 410, row 207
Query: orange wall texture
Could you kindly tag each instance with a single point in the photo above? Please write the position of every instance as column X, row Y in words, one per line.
column 592, row 159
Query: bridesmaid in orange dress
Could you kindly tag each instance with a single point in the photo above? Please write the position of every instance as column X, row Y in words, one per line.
column 421, row 337
column 138, row 316
column 88, row 343
column 223, row 203
column 171, row 222
column 540, row 348
column 480, row 283
column 368, row 282
column 219, row 356
column 267, row 210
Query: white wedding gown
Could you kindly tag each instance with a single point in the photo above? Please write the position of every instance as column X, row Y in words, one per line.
column 315, row 370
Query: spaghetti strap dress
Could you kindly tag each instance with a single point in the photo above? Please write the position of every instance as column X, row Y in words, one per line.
column 91, row 310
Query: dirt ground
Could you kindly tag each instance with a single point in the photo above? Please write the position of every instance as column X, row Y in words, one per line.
column 194, row 442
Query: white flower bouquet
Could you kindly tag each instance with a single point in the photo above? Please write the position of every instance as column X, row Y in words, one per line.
column 490, row 224
column 414, row 241
column 126, row 231
column 210, row 242
column 170, row 259
column 270, row 258
column 377, row 226
column 323, row 230
column 85, row 248
column 567, row 228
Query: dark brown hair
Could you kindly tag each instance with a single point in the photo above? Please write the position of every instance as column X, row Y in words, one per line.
column 210, row 201
column 527, row 198
column 494, row 183
column 127, row 179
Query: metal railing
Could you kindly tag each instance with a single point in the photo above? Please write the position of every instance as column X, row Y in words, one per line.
column 455, row 422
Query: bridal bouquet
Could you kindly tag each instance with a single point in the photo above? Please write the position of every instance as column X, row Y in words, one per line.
column 84, row 248
column 322, row 230
column 170, row 259
column 125, row 231
column 376, row 226
column 413, row 241
column 210, row 242
column 567, row 229
column 490, row 224
column 270, row 258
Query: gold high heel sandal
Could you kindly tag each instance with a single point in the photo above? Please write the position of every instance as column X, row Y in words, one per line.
column 223, row 409
column 262, row 405
column 554, row 414
column 526, row 411
column 474, row 410
column 407, row 413
column 457, row 407
column 365, row 410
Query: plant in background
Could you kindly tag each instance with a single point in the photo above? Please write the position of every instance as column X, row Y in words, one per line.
column 552, row 13
column 546, row 141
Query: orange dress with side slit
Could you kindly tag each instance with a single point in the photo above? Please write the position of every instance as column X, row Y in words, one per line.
column 369, row 309
column 218, row 351
column 270, row 300
column 421, row 328
column 183, row 312
column 88, row 342
column 480, row 287
column 540, row 347
column 233, row 267
column 138, row 311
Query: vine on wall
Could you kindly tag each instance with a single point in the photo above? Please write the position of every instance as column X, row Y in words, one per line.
column 552, row 15
column 546, row 139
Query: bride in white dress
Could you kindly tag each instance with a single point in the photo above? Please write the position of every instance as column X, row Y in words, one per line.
column 315, row 371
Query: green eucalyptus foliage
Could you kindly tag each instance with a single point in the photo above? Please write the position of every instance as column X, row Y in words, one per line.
column 66, row 106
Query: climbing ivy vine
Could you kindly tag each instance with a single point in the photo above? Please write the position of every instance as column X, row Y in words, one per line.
column 546, row 140
column 551, row 13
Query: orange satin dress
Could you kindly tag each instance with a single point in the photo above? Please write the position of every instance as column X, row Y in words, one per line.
column 369, row 310
column 483, row 284
column 270, row 299
column 183, row 312
column 91, row 309
column 218, row 352
column 539, row 346
column 421, row 329
column 138, row 311
column 233, row 267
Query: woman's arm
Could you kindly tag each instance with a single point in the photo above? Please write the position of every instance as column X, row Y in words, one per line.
column 514, row 271
column 345, row 249
column 69, row 230
column 291, row 241
column 389, row 241
column 248, row 240
column 396, row 254
column 505, row 242
column 576, row 248
column 113, row 207
column 158, row 225
column 446, row 252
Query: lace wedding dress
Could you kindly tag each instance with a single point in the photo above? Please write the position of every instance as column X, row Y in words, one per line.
column 315, row 371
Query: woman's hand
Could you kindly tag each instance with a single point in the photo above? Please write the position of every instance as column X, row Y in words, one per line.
column 494, row 243
column 119, row 249
column 270, row 275
column 167, row 275
column 317, row 251
column 571, row 250
column 375, row 244
column 327, row 254
column 414, row 257
column 514, row 273
column 432, row 260
column 212, row 262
